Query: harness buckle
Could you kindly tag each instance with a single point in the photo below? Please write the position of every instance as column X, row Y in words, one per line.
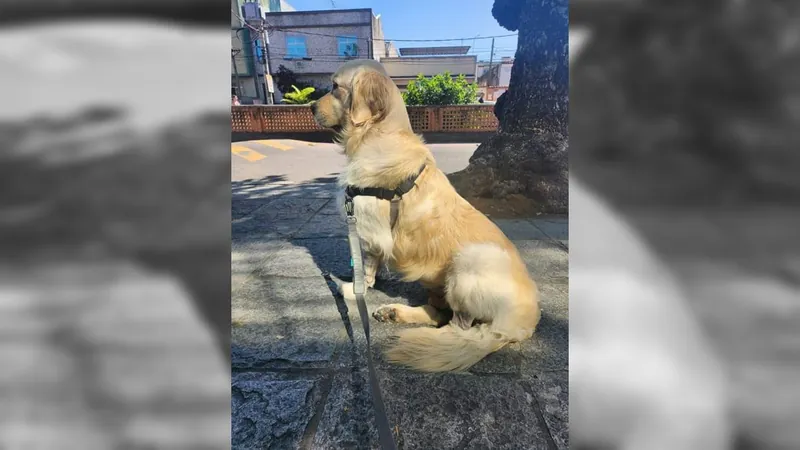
column 349, row 208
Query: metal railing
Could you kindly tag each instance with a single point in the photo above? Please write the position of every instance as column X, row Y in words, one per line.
column 424, row 119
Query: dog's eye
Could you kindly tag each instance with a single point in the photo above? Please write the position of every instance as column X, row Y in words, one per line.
column 335, row 86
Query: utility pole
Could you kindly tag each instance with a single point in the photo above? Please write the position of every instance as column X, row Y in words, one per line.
column 254, row 63
column 491, row 75
column 270, row 94
column 254, row 21
column 236, row 72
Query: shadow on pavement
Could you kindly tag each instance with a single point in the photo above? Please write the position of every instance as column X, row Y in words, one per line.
column 287, row 328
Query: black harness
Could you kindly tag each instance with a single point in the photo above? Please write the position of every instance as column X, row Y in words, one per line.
column 392, row 195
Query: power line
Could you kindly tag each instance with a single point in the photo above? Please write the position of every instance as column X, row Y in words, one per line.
column 338, row 58
column 282, row 51
column 291, row 30
column 470, row 51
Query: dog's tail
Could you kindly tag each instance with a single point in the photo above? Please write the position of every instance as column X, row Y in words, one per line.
column 445, row 349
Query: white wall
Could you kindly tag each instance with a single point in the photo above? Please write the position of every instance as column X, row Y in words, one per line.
column 429, row 66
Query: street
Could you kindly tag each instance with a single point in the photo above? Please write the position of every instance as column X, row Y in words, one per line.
column 300, row 161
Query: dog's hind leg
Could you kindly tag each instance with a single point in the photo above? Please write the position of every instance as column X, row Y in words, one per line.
column 462, row 320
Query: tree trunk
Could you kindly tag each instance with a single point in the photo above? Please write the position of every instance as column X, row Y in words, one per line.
column 528, row 155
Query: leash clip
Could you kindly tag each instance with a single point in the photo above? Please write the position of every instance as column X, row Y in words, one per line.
column 349, row 207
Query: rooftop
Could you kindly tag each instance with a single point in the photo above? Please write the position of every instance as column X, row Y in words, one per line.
column 431, row 51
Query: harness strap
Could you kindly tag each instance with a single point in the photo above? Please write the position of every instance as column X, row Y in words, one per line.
column 392, row 195
column 359, row 289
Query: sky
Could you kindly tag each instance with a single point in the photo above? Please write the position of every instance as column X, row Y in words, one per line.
column 431, row 19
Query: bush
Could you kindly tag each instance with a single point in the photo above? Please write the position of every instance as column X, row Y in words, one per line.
column 286, row 80
column 441, row 89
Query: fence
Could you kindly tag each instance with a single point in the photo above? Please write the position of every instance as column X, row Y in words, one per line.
column 424, row 119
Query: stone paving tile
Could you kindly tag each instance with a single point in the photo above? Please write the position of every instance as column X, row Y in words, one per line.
column 270, row 412
column 289, row 208
column 276, row 219
column 521, row 229
column 323, row 226
column 553, row 229
column 506, row 361
column 242, row 208
column 438, row 411
column 332, row 208
column 249, row 229
column 237, row 279
column 323, row 190
column 548, row 349
column 284, row 321
column 297, row 258
column 266, row 191
column 547, row 261
column 552, row 393
column 279, row 258
column 348, row 420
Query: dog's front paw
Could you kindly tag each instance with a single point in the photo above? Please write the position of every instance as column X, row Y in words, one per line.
column 348, row 292
column 385, row 314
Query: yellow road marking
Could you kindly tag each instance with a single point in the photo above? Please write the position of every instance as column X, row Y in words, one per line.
column 246, row 153
column 274, row 144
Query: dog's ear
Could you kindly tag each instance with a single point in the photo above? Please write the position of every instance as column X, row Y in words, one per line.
column 370, row 97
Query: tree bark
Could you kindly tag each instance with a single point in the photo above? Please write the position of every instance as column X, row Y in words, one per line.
column 528, row 155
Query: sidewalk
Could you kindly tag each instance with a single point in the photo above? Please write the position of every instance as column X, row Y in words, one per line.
column 299, row 376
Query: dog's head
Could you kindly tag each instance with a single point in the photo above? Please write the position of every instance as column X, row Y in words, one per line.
column 362, row 94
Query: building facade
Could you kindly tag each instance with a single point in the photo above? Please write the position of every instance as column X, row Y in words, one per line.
column 313, row 44
column 247, row 52
column 494, row 78
column 404, row 69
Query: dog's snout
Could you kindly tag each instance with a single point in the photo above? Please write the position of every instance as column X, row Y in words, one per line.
column 313, row 107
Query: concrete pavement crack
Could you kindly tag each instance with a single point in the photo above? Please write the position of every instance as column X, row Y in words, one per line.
column 551, row 443
column 292, row 235
column 311, row 429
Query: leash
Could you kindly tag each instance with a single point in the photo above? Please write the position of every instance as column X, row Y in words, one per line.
column 359, row 289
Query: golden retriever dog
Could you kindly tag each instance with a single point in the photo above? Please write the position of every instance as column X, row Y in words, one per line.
column 437, row 238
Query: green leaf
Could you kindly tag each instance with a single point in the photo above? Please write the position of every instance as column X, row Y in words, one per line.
column 440, row 89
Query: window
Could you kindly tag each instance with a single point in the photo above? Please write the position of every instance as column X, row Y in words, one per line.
column 348, row 46
column 296, row 47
